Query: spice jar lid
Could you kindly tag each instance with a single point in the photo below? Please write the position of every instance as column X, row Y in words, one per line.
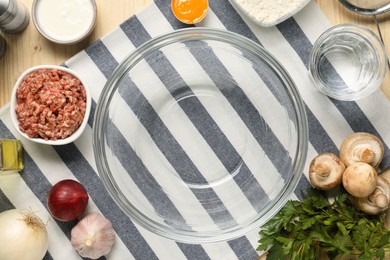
column 3, row 6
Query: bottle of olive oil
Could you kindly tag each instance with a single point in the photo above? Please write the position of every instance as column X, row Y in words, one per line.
column 11, row 155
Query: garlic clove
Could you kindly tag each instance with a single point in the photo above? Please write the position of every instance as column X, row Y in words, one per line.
column 93, row 236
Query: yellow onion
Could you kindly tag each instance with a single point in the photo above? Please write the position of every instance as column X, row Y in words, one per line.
column 23, row 235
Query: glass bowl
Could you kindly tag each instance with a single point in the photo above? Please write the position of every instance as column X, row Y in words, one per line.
column 200, row 135
column 348, row 62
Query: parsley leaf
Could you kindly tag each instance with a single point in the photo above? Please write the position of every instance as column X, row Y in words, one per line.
column 313, row 227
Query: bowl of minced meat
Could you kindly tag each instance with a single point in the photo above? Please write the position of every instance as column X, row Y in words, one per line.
column 50, row 104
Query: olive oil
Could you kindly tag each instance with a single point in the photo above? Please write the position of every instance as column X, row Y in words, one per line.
column 11, row 152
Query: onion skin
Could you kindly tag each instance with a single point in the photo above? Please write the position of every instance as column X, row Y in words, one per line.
column 23, row 235
column 67, row 200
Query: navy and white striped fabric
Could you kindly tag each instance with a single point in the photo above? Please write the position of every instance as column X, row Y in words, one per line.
column 290, row 42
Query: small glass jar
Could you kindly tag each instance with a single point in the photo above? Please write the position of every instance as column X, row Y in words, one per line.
column 11, row 155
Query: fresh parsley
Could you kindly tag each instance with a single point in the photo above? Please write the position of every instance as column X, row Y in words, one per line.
column 312, row 227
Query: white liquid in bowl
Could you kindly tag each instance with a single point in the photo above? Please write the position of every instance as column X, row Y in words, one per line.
column 65, row 21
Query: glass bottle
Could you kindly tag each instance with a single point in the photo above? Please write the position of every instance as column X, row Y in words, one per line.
column 11, row 155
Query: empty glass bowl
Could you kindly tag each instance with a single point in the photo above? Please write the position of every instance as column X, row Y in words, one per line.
column 200, row 135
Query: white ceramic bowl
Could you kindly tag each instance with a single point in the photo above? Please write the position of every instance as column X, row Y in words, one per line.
column 265, row 13
column 64, row 22
column 66, row 140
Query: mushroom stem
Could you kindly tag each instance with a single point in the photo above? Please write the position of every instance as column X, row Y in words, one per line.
column 377, row 201
column 322, row 170
column 364, row 154
column 381, row 201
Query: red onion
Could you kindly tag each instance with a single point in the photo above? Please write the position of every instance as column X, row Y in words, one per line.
column 67, row 200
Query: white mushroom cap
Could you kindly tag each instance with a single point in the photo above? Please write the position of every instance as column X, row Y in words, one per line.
column 387, row 219
column 326, row 171
column 385, row 174
column 362, row 147
column 376, row 202
column 360, row 179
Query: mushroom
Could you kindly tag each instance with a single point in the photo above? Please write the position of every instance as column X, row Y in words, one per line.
column 387, row 219
column 326, row 171
column 360, row 179
column 385, row 174
column 377, row 201
column 263, row 256
column 362, row 147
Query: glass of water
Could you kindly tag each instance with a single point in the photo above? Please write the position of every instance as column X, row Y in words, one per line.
column 348, row 62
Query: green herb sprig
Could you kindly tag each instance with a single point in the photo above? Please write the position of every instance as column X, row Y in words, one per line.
column 309, row 228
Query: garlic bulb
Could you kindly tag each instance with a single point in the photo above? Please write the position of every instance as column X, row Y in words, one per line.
column 93, row 236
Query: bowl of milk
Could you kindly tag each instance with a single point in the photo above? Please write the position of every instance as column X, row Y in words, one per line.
column 64, row 22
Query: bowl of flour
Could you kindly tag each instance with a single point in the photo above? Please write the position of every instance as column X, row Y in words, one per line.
column 269, row 12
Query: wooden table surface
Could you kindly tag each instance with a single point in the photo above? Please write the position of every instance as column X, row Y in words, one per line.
column 29, row 48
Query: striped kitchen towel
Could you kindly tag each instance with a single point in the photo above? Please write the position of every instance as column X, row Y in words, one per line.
column 290, row 42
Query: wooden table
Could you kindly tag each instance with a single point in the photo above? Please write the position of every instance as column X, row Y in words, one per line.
column 29, row 48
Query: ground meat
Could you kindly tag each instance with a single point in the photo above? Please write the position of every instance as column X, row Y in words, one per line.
column 51, row 104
